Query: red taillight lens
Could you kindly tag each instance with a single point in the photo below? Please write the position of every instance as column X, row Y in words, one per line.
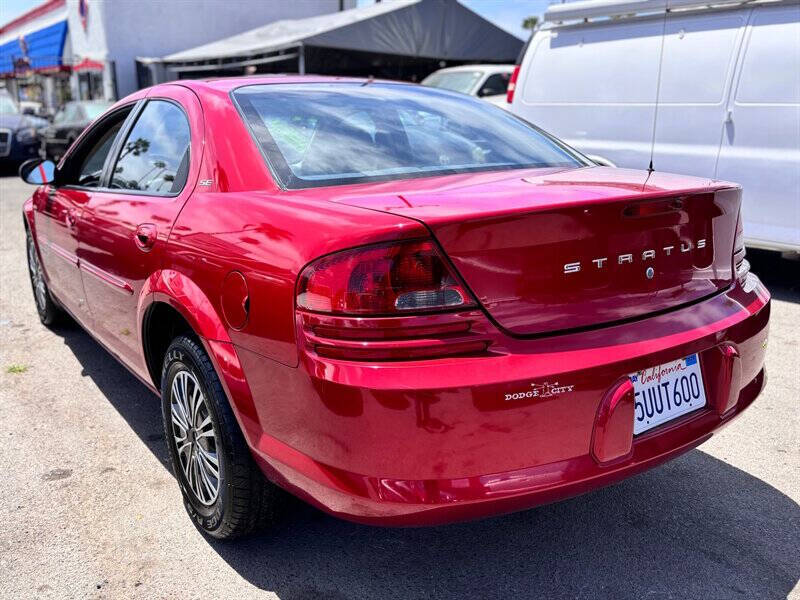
column 397, row 278
column 512, row 85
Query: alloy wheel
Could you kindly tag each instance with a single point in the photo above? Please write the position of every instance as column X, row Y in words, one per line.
column 37, row 277
column 194, row 437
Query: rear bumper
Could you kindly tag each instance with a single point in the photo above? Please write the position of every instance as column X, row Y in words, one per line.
column 436, row 441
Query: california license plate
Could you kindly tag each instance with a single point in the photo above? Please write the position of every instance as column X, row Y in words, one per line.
column 666, row 392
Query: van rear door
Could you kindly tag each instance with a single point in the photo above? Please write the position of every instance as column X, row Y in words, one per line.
column 696, row 71
column 761, row 142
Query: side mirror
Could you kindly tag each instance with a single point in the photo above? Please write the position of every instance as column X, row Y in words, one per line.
column 37, row 171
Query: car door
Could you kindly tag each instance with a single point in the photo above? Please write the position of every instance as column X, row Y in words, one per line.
column 761, row 141
column 65, row 199
column 125, row 225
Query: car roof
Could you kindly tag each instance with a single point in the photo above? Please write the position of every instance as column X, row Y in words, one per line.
column 227, row 84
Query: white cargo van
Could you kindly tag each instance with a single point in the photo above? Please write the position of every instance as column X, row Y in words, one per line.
column 712, row 92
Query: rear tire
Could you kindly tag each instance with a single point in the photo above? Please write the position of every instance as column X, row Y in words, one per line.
column 49, row 312
column 224, row 491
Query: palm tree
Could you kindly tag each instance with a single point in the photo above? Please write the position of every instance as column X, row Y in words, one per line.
column 530, row 23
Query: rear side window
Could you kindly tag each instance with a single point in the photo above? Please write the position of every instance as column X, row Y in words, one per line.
column 155, row 156
column 334, row 133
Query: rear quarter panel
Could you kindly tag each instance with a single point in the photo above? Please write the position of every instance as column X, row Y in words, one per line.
column 238, row 220
column 268, row 238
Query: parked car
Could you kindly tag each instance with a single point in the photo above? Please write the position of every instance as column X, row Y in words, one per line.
column 396, row 302
column 36, row 109
column 489, row 82
column 18, row 139
column 720, row 99
column 67, row 125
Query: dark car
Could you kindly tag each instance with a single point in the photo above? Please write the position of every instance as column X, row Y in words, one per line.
column 18, row 139
column 68, row 123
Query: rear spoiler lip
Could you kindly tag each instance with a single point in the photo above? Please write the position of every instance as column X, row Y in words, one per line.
column 432, row 220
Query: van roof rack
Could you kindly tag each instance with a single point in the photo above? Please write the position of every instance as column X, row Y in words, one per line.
column 583, row 10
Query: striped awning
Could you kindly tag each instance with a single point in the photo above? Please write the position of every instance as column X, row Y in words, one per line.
column 40, row 50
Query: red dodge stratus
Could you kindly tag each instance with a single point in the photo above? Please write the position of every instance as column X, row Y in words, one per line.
column 401, row 304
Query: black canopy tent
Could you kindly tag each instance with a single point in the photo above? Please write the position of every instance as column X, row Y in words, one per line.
column 398, row 39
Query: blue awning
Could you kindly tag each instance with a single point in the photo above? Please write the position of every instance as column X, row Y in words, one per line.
column 45, row 50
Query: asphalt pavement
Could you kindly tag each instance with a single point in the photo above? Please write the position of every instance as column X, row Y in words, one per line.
column 89, row 507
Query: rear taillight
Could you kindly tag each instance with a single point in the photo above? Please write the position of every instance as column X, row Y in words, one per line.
column 390, row 279
column 512, row 85
column 397, row 301
column 740, row 263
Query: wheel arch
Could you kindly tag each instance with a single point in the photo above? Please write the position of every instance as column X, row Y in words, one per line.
column 173, row 304
column 170, row 304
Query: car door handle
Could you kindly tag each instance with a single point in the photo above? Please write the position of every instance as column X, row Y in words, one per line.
column 145, row 236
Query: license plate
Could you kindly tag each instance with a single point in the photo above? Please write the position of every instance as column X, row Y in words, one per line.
column 666, row 392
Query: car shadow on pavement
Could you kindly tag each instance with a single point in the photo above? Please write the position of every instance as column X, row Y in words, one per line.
column 140, row 408
column 694, row 528
column 780, row 275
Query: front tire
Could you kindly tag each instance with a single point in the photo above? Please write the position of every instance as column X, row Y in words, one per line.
column 48, row 310
column 224, row 492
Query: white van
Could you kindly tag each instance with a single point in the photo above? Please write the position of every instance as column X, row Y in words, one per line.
column 713, row 92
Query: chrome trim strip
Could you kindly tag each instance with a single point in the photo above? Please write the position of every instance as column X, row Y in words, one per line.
column 110, row 280
column 63, row 253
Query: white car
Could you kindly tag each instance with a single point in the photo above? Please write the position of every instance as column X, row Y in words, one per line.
column 489, row 82
column 711, row 92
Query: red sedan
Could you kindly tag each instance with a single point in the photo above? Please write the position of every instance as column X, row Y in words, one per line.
column 399, row 303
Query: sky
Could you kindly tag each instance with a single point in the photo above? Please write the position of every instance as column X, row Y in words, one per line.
column 507, row 14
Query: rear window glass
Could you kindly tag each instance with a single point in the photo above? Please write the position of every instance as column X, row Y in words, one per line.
column 326, row 134
column 457, row 81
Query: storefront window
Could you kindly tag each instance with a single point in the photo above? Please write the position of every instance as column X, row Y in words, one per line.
column 90, row 85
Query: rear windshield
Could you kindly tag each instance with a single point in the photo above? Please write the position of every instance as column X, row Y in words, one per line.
column 457, row 81
column 336, row 133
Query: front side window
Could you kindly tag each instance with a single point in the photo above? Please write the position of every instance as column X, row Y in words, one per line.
column 91, row 170
column 495, row 85
column 155, row 156
column 334, row 133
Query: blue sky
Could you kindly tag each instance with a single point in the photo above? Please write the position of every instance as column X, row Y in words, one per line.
column 508, row 14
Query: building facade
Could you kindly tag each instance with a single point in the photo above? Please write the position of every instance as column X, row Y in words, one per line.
column 87, row 49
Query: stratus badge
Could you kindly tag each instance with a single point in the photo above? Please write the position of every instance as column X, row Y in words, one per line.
column 629, row 258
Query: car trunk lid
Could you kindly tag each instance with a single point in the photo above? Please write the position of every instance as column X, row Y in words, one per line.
column 559, row 250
